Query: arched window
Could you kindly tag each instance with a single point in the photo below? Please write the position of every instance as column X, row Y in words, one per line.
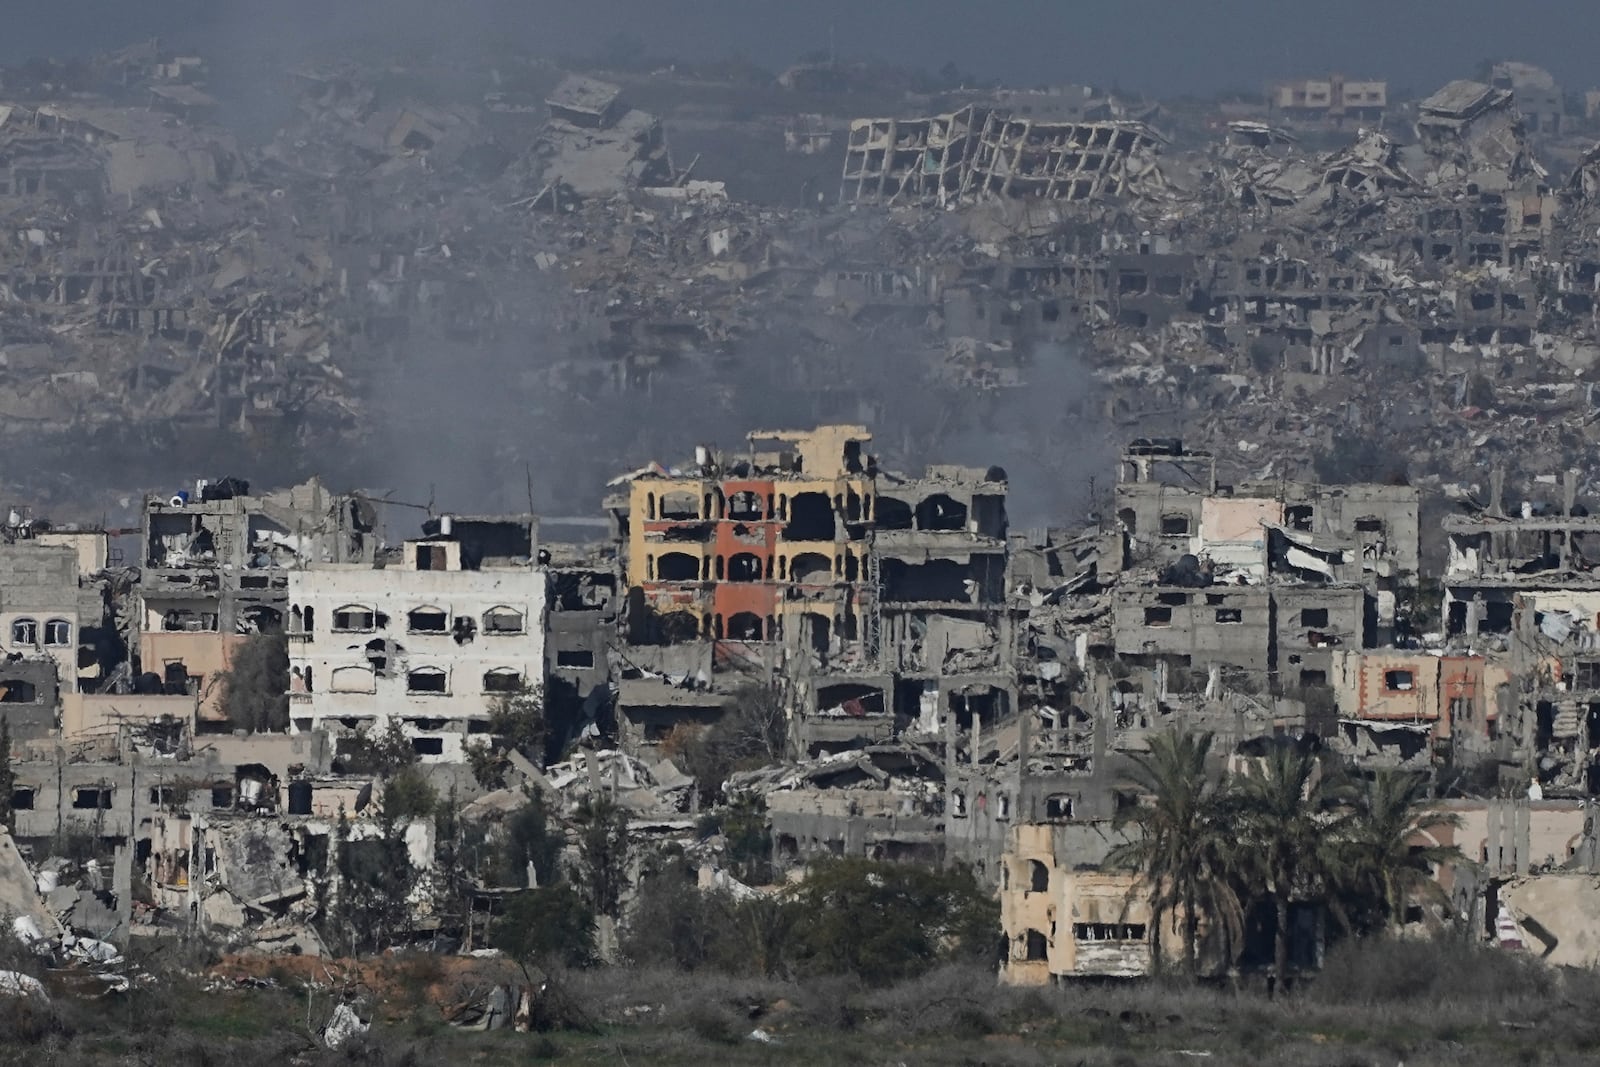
column 352, row 680
column 744, row 567
column 502, row 680
column 427, row 620
column 680, row 505
column 941, row 512
column 25, row 632
column 811, row 518
column 810, row 568
column 502, row 620
column 677, row 567
column 745, row 506
column 1037, row 947
column 745, row 626
column 58, row 632
column 1038, row 877
column 427, row 680
column 893, row 514
column 354, row 619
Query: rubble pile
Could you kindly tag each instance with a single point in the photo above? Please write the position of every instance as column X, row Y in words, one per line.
column 164, row 278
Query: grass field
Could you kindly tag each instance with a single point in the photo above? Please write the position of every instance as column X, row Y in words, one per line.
column 1384, row 1004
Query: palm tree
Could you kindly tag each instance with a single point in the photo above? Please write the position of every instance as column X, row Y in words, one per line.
column 1386, row 858
column 1179, row 847
column 1290, row 827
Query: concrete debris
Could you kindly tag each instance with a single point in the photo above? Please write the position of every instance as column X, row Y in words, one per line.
column 502, row 1007
column 635, row 784
column 17, row 984
column 343, row 1026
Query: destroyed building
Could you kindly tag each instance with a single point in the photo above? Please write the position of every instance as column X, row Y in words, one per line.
column 1064, row 919
column 1321, row 324
column 979, row 152
column 736, row 561
column 1266, row 580
column 584, row 606
column 426, row 639
column 54, row 613
column 1333, row 100
column 216, row 567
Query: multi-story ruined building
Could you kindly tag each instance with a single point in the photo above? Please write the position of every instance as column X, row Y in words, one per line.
column 1520, row 584
column 1264, row 579
column 736, row 563
column 216, row 568
column 978, row 152
column 882, row 599
column 580, row 632
column 1332, row 100
column 429, row 640
column 54, row 620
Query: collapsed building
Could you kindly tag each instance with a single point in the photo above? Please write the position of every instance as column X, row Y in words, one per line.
column 215, row 569
column 1267, row 580
column 976, row 152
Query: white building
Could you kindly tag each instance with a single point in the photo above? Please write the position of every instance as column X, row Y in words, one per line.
column 430, row 641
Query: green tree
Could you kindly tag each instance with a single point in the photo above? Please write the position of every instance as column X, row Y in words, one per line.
column 672, row 921
column 381, row 752
column 546, row 927
column 518, row 722
column 1181, row 841
column 407, row 795
column 529, row 839
column 747, row 834
column 545, row 930
column 255, row 687
column 886, row 921
column 1385, row 858
column 602, row 870
column 1289, row 824
column 452, row 876
column 376, row 875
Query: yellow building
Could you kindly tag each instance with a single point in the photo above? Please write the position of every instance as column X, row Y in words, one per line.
column 759, row 546
column 1061, row 922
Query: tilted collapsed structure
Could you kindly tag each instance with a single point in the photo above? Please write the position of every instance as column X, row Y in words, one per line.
column 974, row 152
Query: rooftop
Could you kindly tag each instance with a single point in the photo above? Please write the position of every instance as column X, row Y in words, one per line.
column 588, row 95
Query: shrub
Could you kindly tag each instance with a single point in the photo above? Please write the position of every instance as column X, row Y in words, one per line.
column 886, row 921
column 711, row 1022
column 1386, row 970
column 546, row 927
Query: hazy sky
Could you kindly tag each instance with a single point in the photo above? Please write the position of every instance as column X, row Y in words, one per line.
column 1159, row 46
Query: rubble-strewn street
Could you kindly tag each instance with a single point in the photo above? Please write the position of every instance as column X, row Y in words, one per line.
column 501, row 521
